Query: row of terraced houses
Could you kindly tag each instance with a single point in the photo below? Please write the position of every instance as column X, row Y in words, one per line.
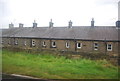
column 82, row 39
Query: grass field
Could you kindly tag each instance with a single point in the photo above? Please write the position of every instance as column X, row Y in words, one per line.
column 47, row 66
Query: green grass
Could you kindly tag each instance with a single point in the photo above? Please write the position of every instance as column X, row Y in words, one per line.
column 45, row 65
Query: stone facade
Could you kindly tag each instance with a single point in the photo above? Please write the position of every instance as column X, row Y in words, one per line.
column 60, row 45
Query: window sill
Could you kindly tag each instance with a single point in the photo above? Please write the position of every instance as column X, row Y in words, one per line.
column 78, row 47
column 96, row 49
column 67, row 47
column 53, row 47
column 109, row 50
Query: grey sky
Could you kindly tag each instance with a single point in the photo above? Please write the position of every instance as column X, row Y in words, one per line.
column 105, row 12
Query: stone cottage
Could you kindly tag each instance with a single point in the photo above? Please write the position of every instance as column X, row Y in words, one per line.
column 102, row 39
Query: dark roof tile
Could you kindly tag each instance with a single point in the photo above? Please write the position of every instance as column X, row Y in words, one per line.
column 77, row 32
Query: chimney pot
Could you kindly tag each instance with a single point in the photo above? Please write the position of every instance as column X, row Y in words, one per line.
column 70, row 24
column 118, row 24
column 34, row 24
column 51, row 24
column 20, row 25
column 11, row 25
column 92, row 22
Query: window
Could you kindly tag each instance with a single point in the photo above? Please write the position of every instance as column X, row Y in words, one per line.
column 95, row 46
column 2, row 42
column 33, row 43
column 67, row 45
column 109, row 47
column 53, row 44
column 9, row 42
column 16, row 42
column 79, row 45
column 43, row 43
column 25, row 43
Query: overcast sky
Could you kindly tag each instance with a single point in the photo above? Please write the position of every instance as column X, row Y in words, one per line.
column 104, row 12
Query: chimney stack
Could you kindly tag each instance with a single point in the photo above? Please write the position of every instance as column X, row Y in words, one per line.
column 70, row 24
column 92, row 22
column 118, row 22
column 51, row 24
column 11, row 25
column 20, row 25
column 34, row 24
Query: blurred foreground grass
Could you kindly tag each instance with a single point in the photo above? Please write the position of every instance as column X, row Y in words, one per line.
column 48, row 66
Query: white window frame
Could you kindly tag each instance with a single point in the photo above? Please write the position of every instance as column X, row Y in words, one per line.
column 96, row 46
column 67, row 44
column 33, row 43
column 80, row 45
column 2, row 42
column 108, row 47
column 16, row 42
column 53, row 44
column 43, row 43
column 25, row 42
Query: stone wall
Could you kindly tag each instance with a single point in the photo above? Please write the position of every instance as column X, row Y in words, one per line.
column 87, row 46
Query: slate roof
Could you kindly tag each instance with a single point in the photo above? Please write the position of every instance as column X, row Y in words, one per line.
column 76, row 32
